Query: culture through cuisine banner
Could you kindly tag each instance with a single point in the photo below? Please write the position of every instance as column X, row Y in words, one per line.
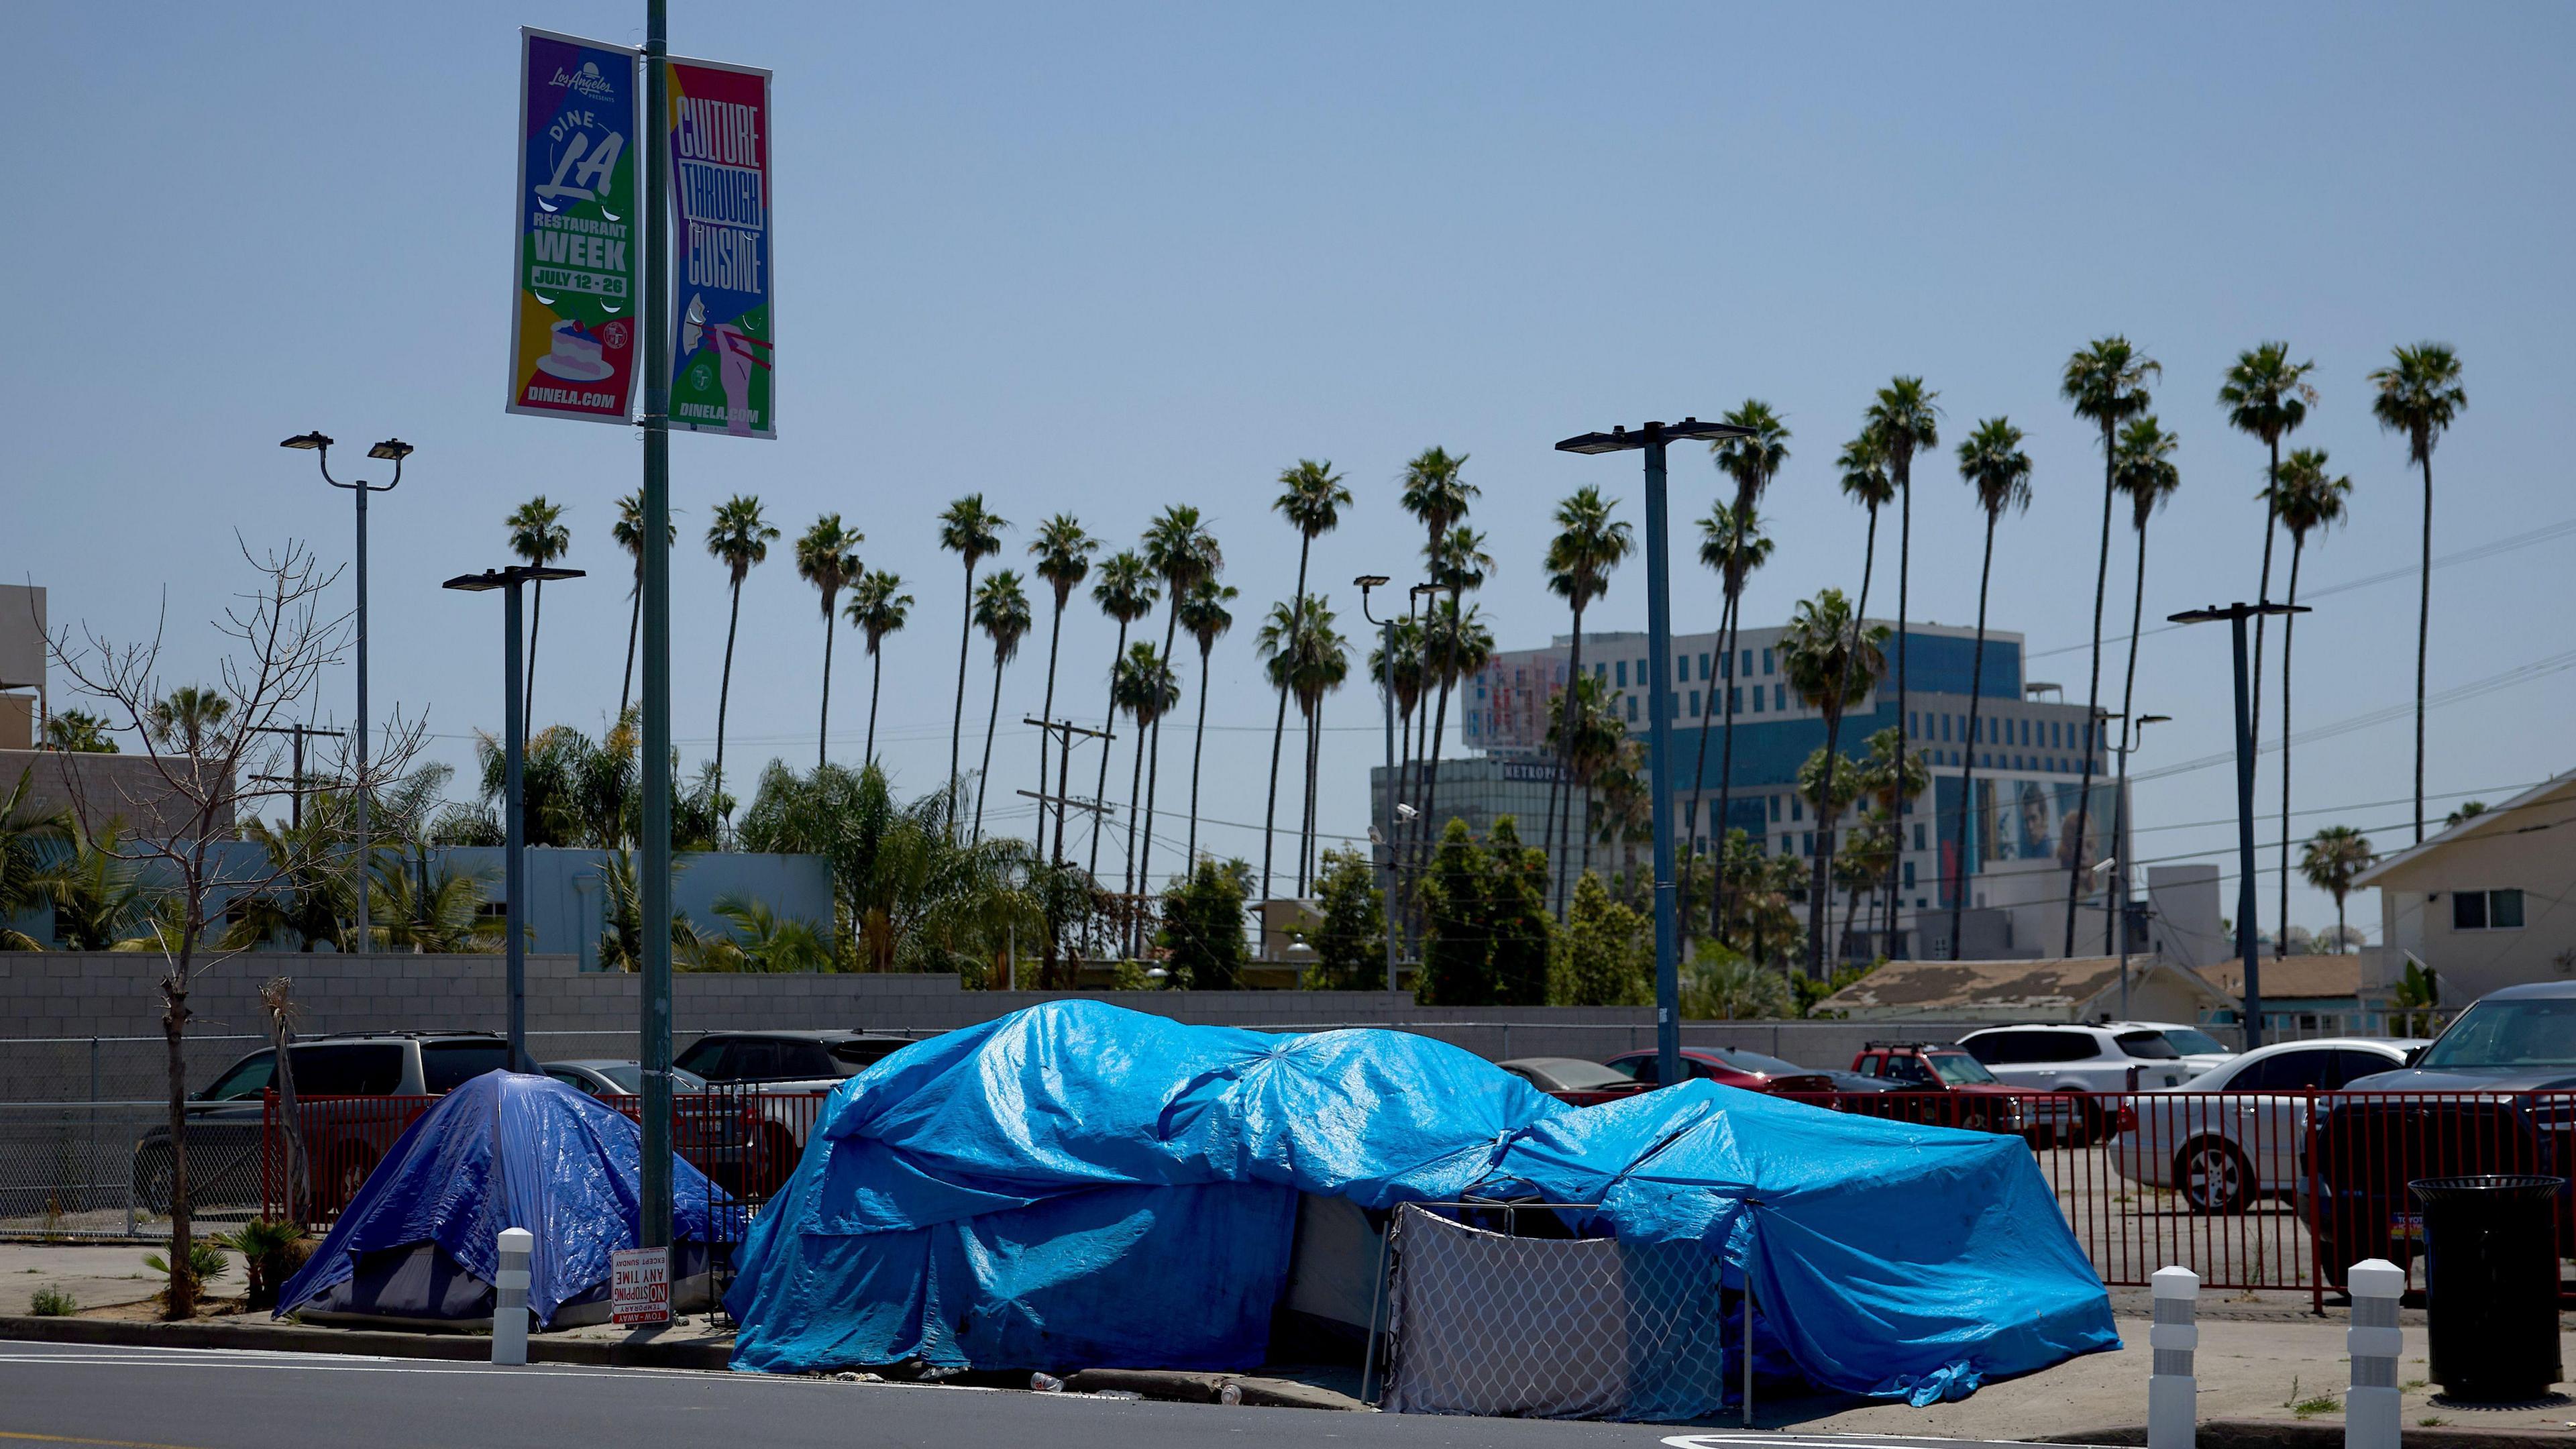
column 722, row 380
column 579, row 251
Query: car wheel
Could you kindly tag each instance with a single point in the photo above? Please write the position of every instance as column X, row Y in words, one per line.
column 1977, row 1119
column 153, row 1174
column 2213, row 1177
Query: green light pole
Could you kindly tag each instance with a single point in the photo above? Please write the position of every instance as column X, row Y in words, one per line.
column 654, row 880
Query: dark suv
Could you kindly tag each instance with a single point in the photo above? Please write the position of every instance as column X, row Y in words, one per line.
column 775, row 1082
column 343, row 1139
column 2495, row 1093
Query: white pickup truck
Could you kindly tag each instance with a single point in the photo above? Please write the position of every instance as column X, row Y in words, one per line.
column 2111, row 1056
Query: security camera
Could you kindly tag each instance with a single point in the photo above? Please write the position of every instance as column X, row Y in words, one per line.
column 1374, row 837
column 2106, row 865
column 1405, row 812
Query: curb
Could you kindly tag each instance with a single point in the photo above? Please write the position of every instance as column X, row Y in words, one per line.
column 2319, row 1433
column 297, row 1338
column 1175, row 1386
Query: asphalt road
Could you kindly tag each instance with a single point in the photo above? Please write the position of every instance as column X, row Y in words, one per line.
column 127, row 1398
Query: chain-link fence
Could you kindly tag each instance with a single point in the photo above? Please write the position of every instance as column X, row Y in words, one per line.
column 102, row 1169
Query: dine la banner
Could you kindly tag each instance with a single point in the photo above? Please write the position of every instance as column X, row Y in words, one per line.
column 722, row 374
column 578, row 245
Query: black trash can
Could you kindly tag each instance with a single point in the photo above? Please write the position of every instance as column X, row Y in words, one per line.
column 2491, row 1284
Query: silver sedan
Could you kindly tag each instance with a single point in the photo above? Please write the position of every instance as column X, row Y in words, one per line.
column 2235, row 1134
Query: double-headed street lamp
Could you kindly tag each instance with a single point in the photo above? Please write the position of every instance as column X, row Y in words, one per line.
column 514, row 827
column 1386, row 687
column 1660, row 699
column 2132, row 731
column 2236, row 615
column 391, row 450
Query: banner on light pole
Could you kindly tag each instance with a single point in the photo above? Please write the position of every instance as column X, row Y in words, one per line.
column 578, row 247
column 722, row 374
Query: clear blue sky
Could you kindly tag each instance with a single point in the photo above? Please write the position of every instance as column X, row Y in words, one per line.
column 1110, row 257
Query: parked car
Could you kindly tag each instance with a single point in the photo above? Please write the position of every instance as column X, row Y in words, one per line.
column 2092, row 1057
column 1938, row 1083
column 713, row 1132
column 2200, row 1052
column 343, row 1139
column 2495, row 1092
column 1728, row 1067
column 2239, row 1133
column 781, row 1077
column 1574, row 1081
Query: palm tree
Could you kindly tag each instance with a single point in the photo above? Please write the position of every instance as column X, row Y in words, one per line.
column 1180, row 550
column 188, row 718
column 1992, row 462
column 2420, row 396
column 1142, row 685
column 1438, row 495
column 1002, row 612
column 538, row 535
column 1831, row 659
column 1063, row 553
column 1126, row 592
column 1588, row 544
column 827, row 557
column 2267, row 396
column 1457, row 563
column 2330, row 860
column 1733, row 544
column 1864, row 477
column 2306, row 498
column 878, row 607
column 1904, row 420
column 739, row 538
column 2107, row 385
column 1751, row 461
column 2147, row 474
column 974, row 533
column 1311, row 497
column 32, row 867
column 1323, row 663
column 628, row 530
column 1205, row 615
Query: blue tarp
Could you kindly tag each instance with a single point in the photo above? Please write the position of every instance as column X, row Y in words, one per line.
column 507, row 1150
column 1076, row 1185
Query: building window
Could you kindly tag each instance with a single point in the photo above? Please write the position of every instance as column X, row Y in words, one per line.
column 1779, row 697
column 1735, row 696
column 1694, row 704
column 1632, row 709
column 1797, row 807
column 1913, row 723
column 1807, row 843
column 1703, row 665
column 2486, row 910
column 1757, row 699
column 1909, row 875
column 1766, row 661
column 1918, row 845
column 1945, row 729
column 1623, row 674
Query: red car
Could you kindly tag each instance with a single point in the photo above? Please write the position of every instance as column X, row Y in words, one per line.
column 1574, row 1081
column 1728, row 1067
column 1937, row 1083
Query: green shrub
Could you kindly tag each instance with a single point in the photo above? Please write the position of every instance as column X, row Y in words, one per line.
column 51, row 1302
column 206, row 1262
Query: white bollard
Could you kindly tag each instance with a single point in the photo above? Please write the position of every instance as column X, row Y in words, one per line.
column 510, row 1289
column 2172, row 1393
column 2370, row 1410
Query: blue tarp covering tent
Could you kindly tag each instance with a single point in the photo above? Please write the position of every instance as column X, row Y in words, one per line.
column 1076, row 1185
column 418, row 1241
column 1889, row 1259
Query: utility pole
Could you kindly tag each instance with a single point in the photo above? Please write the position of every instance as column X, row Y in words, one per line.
column 1386, row 692
column 2132, row 734
column 297, row 733
column 653, row 887
column 1065, row 731
column 2236, row 615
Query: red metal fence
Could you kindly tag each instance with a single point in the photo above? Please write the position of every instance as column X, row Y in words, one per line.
column 2276, row 1190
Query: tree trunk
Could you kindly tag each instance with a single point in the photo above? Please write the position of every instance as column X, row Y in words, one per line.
column 1734, row 626
column 1198, row 747
column 1968, row 771
column 1426, row 830
column 823, row 732
column 290, row 1122
column 1279, row 722
column 1135, row 786
column 957, row 714
column 182, row 1303
column 1154, row 763
column 1562, row 784
column 1904, row 723
column 2423, row 635
column 1100, row 790
column 2122, row 823
column 724, row 698
column 1833, row 744
column 1716, row 680
column 634, row 622
column 2092, row 697
column 536, row 621
column 2263, row 588
column 1046, row 732
column 876, row 686
column 984, row 772
column 1306, row 801
column 2289, row 632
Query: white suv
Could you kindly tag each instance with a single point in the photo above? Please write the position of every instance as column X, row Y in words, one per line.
column 2116, row 1056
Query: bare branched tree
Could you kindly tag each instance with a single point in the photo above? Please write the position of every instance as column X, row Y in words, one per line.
column 183, row 805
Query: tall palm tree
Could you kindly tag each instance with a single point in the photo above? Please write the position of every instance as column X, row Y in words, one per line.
column 1831, row 659
column 974, row 533
column 1991, row 462
column 1864, row 477
column 2267, row 396
column 2330, row 860
column 1437, row 494
column 2420, row 396
column 1751, row 462
column 1733, row 544
column 2106, row 383
column 1457, row 563
column 538, row 535
column 2148, row 476
column 1063, row 553
column 1311, row 497
column 1002, row 612
column 1589, row 543
column 739, row 538
column 878, row 607
column 1905, row 420
column 827, row 557
column 1205, row 616
column 1183, row 553
column 2307, row 498
column 1144, row 686
column 1126, row 592
column 628, row 530
column 1323, row 663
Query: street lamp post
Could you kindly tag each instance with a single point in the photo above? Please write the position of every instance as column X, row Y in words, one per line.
column 1653, row 438
column 391, row 450
column 514, row 814
column 1386, row 690
column 2132, row 732
column 2236, row 615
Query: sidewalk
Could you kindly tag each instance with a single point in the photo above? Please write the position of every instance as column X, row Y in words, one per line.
column 96, row 1276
